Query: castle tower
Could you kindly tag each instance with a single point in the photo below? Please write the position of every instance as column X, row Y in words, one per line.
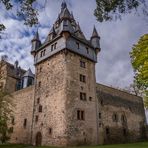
column 65, row 105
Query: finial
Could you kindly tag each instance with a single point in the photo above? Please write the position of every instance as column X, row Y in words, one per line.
column 95, row 33
column 63, row 5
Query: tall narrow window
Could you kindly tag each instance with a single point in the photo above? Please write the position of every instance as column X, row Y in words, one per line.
column 99, row 115
column 12, row 121
column 39, row 84
column 82, row 78
column 52, row 47
column 55, row 45
column 82, row 64
column 38, row 100
column 40, row 108
column 107, row 131
column 78, row 45
column 50, row 131
column 36, row 118
column 82, row 96
column 25, row 123
column 87, row 50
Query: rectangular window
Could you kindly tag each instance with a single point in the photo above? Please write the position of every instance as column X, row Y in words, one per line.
column 107, row 131
column 25, row 123
column 52, row 47
column 38, row 100
column 82, row 64
column 40, row 108
column 50, row 131
column 78, row 45
column 80, row 115
column 82, row 78
column 99, row 115
column 39, row 84
column 87, row 50
column 82, row 96
column 36, row 118
column 55, row 45
column 12, row 121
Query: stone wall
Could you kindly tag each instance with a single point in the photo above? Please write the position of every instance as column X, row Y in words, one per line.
column 80, row 132
column 50, row 95
column 23, row 109
column 113, row 105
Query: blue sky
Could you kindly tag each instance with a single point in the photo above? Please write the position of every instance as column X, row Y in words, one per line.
column 117, row 38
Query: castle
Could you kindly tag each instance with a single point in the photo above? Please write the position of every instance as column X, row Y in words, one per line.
column 62, row 104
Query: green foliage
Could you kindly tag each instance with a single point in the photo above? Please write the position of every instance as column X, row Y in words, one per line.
column 5, row 116
column 139, row 59
column 113, row 9
column 26, row 11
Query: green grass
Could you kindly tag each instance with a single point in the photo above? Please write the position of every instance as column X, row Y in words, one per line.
column 133, row 145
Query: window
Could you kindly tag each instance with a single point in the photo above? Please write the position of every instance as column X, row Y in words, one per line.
column 90, row 98
column 12, row 121
column 25, row 123
column 82, row 78
column 43, row 53
column 80, row 115
column 36, row 118
column 87, row 50
column 101, row 102
column 40, row 69
column 115, row 117
column 40, row 108
column 124, row 132
column 123, row 119
column 11, row 130
column 82, row 64
column 99, row 115
column 39, row 84
column 53, row 46
column 50, row 131
column 82, row 96
column 78, row 45
column 107, row 131
column 38, row 100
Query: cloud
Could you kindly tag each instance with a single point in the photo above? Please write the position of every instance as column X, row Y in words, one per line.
column 113, row 67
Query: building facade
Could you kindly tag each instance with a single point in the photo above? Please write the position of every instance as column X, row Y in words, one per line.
column 62, row 104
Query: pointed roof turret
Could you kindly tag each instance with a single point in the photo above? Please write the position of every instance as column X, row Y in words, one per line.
column 36, row 36
column 28, row 73
column 52, row 30
column 66, row 14
column 63, row 5
column 95, row 33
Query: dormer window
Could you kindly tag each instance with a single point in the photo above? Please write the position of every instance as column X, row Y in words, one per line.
column 87, row 50
column 53, row 46
column 43, row 53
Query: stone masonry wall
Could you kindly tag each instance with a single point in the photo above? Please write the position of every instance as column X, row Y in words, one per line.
column 23, row 109
column 50, row 96
column 80, row 132
column 113, row 102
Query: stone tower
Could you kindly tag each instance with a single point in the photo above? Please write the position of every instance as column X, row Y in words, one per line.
column 65, row 104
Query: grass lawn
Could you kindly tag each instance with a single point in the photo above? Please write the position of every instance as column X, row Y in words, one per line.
column 133, row 145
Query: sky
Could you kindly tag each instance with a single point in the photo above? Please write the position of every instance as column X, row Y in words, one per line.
column 117, row 38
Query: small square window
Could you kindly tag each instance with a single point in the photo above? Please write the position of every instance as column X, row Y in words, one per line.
column 82, row 64
column 82, row 96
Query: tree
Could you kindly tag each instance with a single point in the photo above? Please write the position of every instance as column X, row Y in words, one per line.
column 107, row 10
column 5, row 116
column 139, row 59
column 25, row 12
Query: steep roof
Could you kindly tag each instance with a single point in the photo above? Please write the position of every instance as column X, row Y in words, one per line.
column 28, row 73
